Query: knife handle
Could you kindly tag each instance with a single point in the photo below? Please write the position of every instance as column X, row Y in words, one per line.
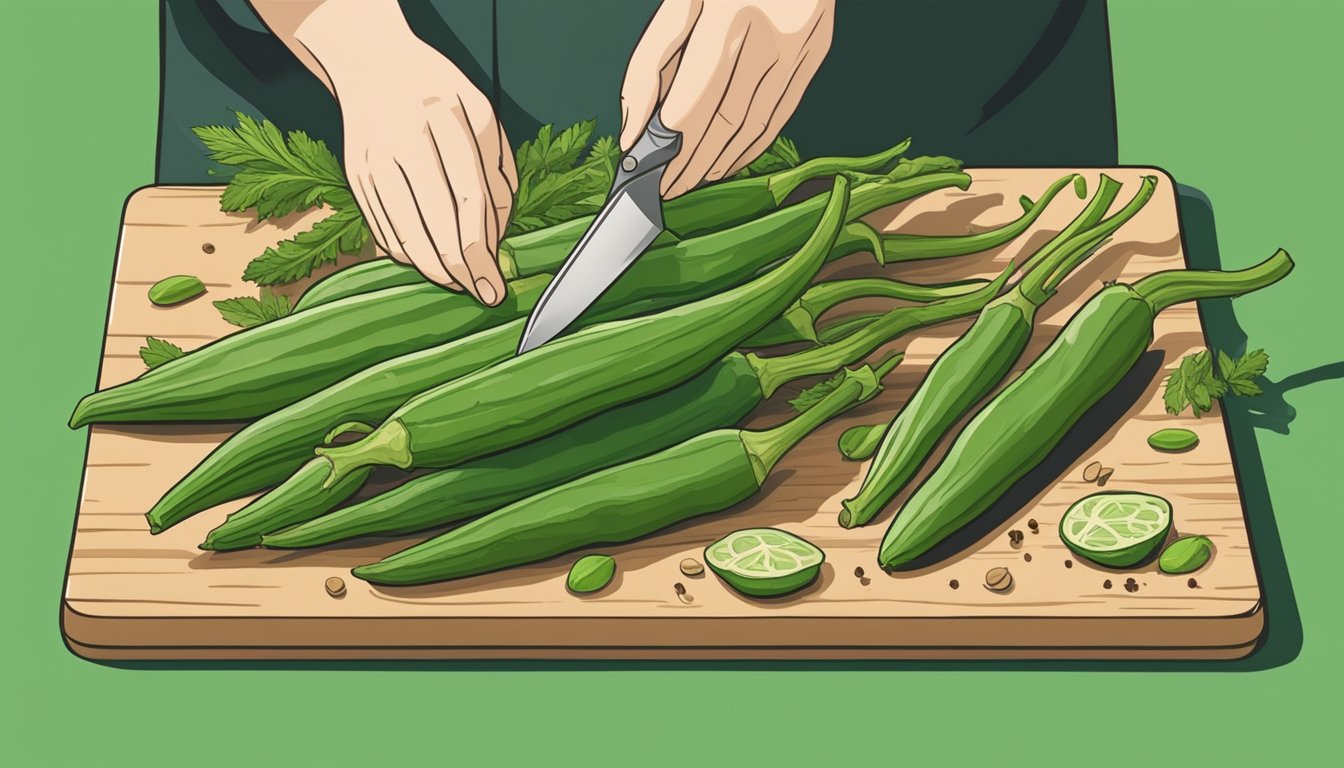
column 654, row 149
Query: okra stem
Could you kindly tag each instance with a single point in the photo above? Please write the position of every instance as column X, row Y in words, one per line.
column 1094, row 212
column 1163, row 289
column 898, row 321
column 823, row 297
column 766, row 447
column 901, row 247
column 1056, row 262
column 783, row 183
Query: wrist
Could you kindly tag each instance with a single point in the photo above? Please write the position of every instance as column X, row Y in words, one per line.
column 347, row 36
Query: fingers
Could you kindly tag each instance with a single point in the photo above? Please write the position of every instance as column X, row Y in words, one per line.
column 375, row 217
column 658, row 47
column 781, row 112
column 504, row 198
column 493, row 155
column 746, row 87
column 475, row 211
column 702, row 80
column 393, row 192
column 778, row 99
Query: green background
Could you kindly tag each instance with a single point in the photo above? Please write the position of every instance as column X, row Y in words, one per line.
column 1238, row 99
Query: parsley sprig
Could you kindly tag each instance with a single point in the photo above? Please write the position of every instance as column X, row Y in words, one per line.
column 1195, row 384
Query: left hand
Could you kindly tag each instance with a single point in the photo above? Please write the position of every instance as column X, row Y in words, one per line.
column 728, row 73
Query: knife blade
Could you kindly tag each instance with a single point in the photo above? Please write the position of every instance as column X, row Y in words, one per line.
column 629, row 221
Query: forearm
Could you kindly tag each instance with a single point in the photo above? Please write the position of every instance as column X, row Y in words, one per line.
column 332, row 37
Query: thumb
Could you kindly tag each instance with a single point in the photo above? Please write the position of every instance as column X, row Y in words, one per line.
column 657, row 49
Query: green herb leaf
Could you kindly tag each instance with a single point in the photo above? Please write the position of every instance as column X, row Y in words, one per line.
column 779, row 156
column 815, row 393
column 1173, row 396
column 245, row 311
column 1195, row 382
column 550, row 198
column 549, row 154
column 1241, row 373
column 342, row 232
column 156, row 352
column 277, row 176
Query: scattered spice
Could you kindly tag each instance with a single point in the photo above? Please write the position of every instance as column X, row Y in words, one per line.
column 1068, row 563
column 680, row 588
column 1192, row 583
column 1033, row 525
column 208, row 247
column 1026, row 556
column 1131, row 585
column 1091, row 471
column 1106, row 584
column 1105, row 475
column 335, row 586
column 954, row 583
column 692, row 567
column 998, row 580
column 859, row 571
column 1015, row 538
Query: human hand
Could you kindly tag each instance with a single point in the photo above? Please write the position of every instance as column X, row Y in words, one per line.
column 728, row 74
column 425, row 156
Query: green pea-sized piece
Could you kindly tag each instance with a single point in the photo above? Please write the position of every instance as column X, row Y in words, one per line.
column 861, row 442
column 175, row 290
column 1186, row 555
column 591, row 573
column 1173, row 440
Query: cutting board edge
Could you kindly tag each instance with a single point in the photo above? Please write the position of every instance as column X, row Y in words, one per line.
column 106, row 637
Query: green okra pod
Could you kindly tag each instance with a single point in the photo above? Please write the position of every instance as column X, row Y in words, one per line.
column 700, row 476
column 980, row 359
column 496, row 408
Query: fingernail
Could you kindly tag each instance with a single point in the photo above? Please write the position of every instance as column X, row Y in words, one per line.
column 486, row 291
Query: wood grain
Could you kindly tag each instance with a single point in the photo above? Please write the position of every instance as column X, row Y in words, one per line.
column 133, row 595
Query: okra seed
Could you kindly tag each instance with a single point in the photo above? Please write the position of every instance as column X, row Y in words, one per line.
column 1068, row 563
column 1026, row 556
column 335, row 586
column 1106, row 584
column 1033, row 525
column 1091, row 471
column 859, row 571
column 692, row 567
column 954, row 584
column 998, row 579
column 208, row 247
column 1192, row 583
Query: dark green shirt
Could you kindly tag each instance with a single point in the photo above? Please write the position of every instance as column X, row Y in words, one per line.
column 992, row 82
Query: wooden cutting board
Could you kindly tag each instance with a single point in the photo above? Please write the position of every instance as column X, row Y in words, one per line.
column 133, row 595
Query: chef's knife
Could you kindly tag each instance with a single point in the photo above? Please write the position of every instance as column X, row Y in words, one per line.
column 631, row 219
